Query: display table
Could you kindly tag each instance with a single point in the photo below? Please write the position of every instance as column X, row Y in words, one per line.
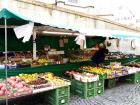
column 58, row 95
column 57, row 69
column 130, row 78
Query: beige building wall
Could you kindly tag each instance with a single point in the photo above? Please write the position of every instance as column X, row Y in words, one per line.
column 44, row 13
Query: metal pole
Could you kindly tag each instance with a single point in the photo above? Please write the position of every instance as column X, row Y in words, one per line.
column 34, row 45
column 5, row 24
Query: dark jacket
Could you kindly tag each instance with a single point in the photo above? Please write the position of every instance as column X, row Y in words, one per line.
column 99, row 56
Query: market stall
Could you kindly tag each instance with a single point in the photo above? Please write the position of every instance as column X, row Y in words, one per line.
column 58, row 55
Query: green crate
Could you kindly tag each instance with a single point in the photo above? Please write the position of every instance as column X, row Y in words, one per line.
column 60, row 96
column 111, row 83
column 137, row 75
column 59, row 101
column 63, row 91
column 84, row 90
column 82, row 85
column 91, row 85
column 84, row 94
column 134, row 78
column 100, row 83
column 99, row 91
column 60, row 92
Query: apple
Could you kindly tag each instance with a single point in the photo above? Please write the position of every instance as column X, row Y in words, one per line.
column 16, row 94
column 1, row 92
column 3, row 88
column 1, row 85
column 13, row 78
column 19, row 85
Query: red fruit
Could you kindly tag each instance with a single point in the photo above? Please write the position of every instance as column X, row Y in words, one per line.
column 13, row 78
column 3, row 88
column 1, row 92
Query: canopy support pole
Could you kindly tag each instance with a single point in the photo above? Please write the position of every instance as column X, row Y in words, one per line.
column 34, row 45
column 6, row 58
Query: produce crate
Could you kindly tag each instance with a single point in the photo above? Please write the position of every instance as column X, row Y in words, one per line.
column 137, row 75
column 111, row 83
column 99, row 83
column 60, row 101
column 84, row 90
column 87, row 90
column 82, row 85
column 99, row 91
column 84, row 94
column 134, row 78
column 60, row 96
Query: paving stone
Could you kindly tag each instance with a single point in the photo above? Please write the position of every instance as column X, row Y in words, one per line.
column 124, row 94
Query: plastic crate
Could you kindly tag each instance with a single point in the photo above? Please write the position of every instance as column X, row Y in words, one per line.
column 59, row 101
column 99, row 91
column 137, row 74
column 84, row 90
column 100, row 83
column 82, row 85
column 63, row 91
column 60, row 96
column 134, row 81
column 134, row 78
column 111, row 83
column 85, row 94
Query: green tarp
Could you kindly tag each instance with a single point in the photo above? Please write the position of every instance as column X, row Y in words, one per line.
column 15, row 44
column 12, row 18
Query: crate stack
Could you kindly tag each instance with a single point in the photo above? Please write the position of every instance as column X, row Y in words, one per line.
column 60, row 96
column 133, row 78
column 99, row 87
column 87, row 90
column 111, row 82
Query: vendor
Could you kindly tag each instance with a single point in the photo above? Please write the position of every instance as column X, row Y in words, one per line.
column 99, row 57
column 46, row 49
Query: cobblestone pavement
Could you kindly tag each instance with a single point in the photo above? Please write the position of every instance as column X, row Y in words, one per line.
column 124, row 94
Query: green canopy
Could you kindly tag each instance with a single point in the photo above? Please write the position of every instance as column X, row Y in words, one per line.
column 12, row 18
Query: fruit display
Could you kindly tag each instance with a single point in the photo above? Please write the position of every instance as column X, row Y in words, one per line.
column 134, row 64
column 95, row 70
column 15, row 87
column 84, row 77
column 39, row 81
column 25, row 84
column 28, row 77
column 54, row 80
column 79, row 55
column 43, row 80
column 110, row 71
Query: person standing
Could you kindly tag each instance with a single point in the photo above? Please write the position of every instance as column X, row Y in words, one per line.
column 99, row 56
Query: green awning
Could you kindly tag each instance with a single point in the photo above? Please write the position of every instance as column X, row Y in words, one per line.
column 12, row 18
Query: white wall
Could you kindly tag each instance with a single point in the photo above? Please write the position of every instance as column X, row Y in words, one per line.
column 124, row 46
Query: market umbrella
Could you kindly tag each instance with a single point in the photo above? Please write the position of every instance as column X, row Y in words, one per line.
column 10, row 18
